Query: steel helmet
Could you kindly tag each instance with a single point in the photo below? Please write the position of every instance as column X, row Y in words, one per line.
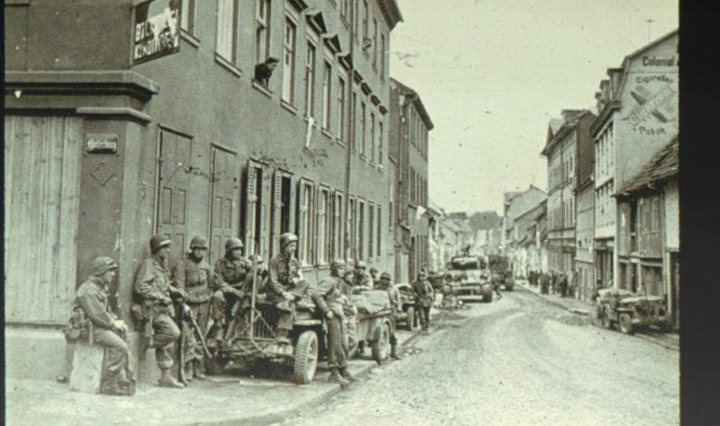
column 232, row 244
column 159, row 241
column 360, row 265
column 103, row 264
column 198, row 242
column 287, row 238
column 386, row 276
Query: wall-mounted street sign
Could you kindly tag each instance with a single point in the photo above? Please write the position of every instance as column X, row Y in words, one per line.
column 156, row 32
column 97, row 143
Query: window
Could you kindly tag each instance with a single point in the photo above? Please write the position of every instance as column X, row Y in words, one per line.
column 187, row 16
column 338, row 228
column 356, row 27
column 375, row 46
column 371, row 231
column 341, row 108
column 227, row 29
column 392, row 201
column 365, row 21
column 262, row 30
column 381, row 152
column 363, row 113
column 353, row 144
column 344, row 8
column 372, row 137
column 382, row 55
column 352, row 224
column 304, row 221
column 323, row 226
column 310, row 79
column 327, row 83
column 361, row 230
column 288, row 86
column 379, row 231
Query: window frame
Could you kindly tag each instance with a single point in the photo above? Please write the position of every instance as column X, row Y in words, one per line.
column 233, row 36
column 327, row 95
column 262, row 25
column 310, row 68
column 287, row 92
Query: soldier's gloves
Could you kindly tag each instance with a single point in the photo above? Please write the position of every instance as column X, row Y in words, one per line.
column 119, row 325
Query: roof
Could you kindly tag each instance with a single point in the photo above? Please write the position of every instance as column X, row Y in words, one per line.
column 663, row 165
column 510, row 195
column 524, row 202
column 569, row 121
column 408, row 91
column 391, row 12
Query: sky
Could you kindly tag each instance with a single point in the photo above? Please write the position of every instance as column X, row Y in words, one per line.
column 491, row 74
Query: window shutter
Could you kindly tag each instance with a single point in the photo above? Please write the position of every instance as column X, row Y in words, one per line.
column 302, row 212
column 250, row 206
column 277, row 213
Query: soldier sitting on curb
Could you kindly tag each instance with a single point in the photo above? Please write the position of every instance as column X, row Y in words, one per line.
column 107, row 330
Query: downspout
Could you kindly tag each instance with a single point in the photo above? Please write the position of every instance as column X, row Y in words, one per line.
column 351, row 137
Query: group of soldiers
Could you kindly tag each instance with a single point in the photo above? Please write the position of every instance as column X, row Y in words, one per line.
column 201, row 307
column 552, row 282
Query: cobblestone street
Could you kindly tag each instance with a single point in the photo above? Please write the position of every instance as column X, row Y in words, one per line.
column 516, row 361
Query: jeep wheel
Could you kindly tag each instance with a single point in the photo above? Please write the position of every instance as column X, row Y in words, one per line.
column 410, row 326
column 626, row 325
column 306, row 356
column 381, row 346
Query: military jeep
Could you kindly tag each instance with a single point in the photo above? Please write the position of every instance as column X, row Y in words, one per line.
column 407, row 305
column 258, row 342
column 630, row 311
column 374, row 325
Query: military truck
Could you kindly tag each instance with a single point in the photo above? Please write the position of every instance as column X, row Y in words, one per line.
column 501, row 271
column 470, row 280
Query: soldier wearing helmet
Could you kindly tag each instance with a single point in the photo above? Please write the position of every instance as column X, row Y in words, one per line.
column 360, row 277
column 192, row 275
column 285, row 284
column 107, row 330
column 231, row 276
column 385, row 283
column 152, row 286
column 331, row 301
column 424, row 297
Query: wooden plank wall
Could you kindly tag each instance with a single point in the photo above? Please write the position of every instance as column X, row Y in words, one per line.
column 42, row 168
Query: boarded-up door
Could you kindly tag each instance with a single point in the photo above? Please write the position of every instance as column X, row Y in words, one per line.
column 224, row 187
column 173, row 183
column 42, row 181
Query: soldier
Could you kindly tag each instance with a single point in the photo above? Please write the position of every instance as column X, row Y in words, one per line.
column 231, row 274
column 374, row 278
column 392, row 291
column 192, row 275
column 424, row 297
column 286, row 284
column 107, row 329
column 152, row 285
column 360, row 278
column 329, row 299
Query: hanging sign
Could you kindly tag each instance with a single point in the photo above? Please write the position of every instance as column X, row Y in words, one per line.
column 156, row 32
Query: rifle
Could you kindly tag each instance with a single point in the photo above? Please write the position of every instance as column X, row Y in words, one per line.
column 181, row 344
column 197, row 330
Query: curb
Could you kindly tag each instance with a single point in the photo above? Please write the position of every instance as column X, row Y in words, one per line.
column 664, row 345
column 282, row 415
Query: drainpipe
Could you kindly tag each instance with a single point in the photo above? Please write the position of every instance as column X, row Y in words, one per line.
column 351, row 137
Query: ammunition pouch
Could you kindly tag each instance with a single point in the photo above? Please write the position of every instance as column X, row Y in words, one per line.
column 78, row 326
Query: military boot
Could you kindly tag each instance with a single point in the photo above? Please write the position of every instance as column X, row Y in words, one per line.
column 337, row 378
column 346, row 375
column 189, row 371
column 198, row 367
column 283, row 335
column 113, row 388
column 168, row 381
column 394, row 352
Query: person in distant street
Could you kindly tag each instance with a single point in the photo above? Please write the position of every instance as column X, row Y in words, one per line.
column 192, row 274
column 286, row 285
column 544, row 282
column 386, row 284
column 329, row 299
column 563, row 284
column 264, row 71
column 424, row 298
column 553, row 281
column 108, row 331
column 152, row 285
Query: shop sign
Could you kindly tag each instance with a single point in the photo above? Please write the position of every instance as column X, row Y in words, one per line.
column 101, row 143
column 156, row 32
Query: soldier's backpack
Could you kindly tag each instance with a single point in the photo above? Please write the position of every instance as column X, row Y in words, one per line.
column 78, row 326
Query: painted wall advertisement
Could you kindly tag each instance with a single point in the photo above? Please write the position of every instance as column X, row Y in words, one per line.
column 157, row 30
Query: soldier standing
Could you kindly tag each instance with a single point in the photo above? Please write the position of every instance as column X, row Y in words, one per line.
column 329, row 299
column 152, row 285
column 192, row 275
column 286, row 284
column 386, row 284
column 107, row 329
column 231, row 274
column 424, row 297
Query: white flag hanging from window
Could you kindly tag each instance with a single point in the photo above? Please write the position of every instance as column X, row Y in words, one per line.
column 311, row 123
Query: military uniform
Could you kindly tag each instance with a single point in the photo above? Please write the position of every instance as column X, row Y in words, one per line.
column 152, row 285
column 394, row 296
column 329, row 298
column 93, row 299
column 230, row 280
column 194, row 277
column 424, row 297
column 285, row 277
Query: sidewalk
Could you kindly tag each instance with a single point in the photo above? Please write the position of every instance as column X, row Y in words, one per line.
column 580, row 307
column 219, row 400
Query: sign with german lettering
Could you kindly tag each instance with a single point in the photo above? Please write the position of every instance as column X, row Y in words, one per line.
column 101, row 143
column 156, row 32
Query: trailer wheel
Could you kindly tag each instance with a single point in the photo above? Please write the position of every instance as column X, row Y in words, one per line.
column 306, row 356
column 410, row 326
column 626, row 325
column 380, row 346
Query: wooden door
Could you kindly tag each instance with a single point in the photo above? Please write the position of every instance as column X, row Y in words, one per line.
column 222, row 207
column 173, row 184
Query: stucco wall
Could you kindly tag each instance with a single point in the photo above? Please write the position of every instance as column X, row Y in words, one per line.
column 672, row 216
